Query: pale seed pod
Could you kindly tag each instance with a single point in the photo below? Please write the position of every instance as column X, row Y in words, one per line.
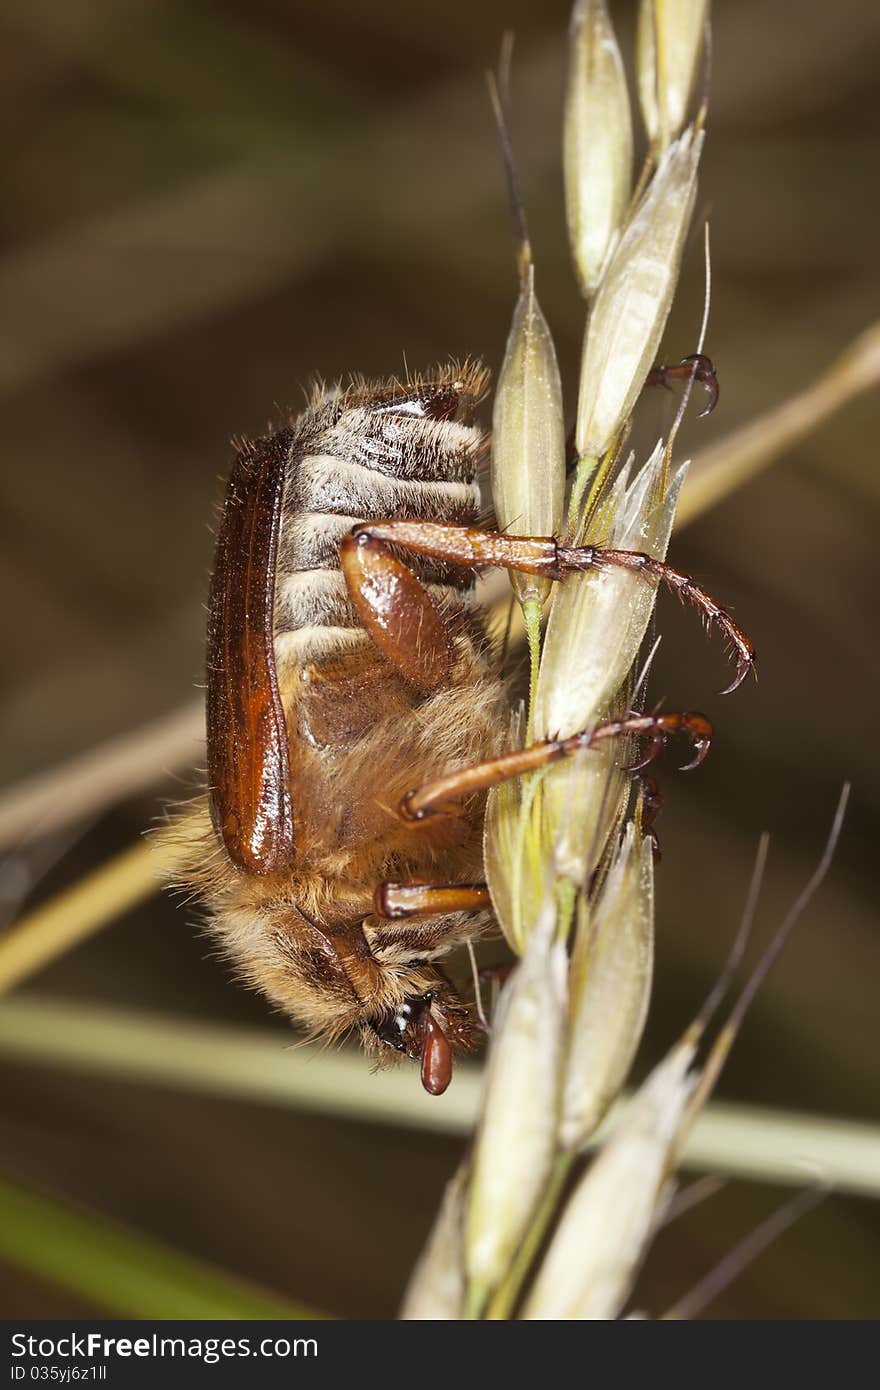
column 518, row 887
column 516, row 1138
column 597, row 141
column 631, row 308
column 436, row 1289
column 599, row 618
column 610, row 989
column 528, row 434
column 596, row 627
column 553, row 825
column 595, row 1254
column 582, row 802
column 670, row 39
column 517, row 876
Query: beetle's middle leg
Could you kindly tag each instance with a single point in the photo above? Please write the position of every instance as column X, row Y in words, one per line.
column 439, row 796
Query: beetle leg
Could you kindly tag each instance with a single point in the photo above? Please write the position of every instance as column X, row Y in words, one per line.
column 435, row 797
column 650, row 805
column 394, row 901
column 396, row 610
column 696, row 367
column 687, row 590
column 401, row 618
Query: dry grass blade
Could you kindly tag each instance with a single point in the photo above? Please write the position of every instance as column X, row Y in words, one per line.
column 254, row 1064
column 72, row 791
column 95, row 901
column 738, row 457
column 744, row 1252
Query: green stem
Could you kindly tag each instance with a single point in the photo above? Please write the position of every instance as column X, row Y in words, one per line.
column 525, row 847
column 507, row 1296
column 532, row 609
column 585, row 469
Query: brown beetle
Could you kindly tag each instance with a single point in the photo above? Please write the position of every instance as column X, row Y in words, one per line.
column 355, row 711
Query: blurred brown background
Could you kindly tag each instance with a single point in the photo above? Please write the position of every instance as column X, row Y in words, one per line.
column 206, row 203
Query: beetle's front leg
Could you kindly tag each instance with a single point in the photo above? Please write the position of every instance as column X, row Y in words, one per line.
column 398, row 613
column 696, row 367
column 399, row 901
column 414, row 916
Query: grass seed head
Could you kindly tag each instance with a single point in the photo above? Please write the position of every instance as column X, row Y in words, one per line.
column 669, row 44
column 611, row 974
column 597, row 141
column 436, row 1289
column 516, row 1137
column 596, row 1252
column 634, row 299
column 599, row 618
column 528, row 434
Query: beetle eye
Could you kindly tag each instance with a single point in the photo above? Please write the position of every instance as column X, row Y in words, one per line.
column 397, row 1027
column 392, row 1027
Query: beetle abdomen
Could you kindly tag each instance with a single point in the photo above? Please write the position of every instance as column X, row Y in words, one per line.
column 367, row 454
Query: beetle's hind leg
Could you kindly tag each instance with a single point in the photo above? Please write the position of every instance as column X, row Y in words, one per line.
column 406, row 626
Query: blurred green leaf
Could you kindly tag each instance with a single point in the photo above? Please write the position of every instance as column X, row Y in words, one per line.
column 123, row 1271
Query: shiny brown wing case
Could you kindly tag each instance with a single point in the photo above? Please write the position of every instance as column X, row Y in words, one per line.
column 248, row 756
